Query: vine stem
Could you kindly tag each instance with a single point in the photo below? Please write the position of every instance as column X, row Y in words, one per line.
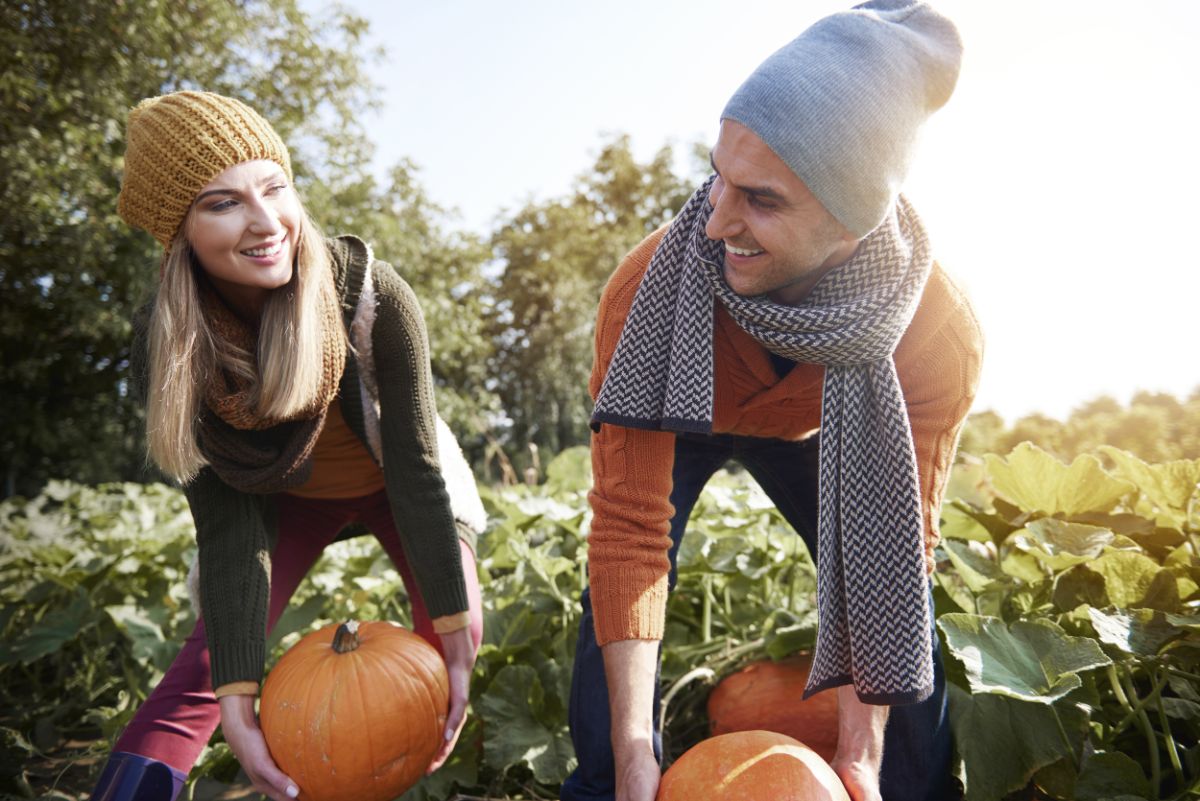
column 1133, row 708
column 1151, row 741
column 687, row 678
column 1172, row 751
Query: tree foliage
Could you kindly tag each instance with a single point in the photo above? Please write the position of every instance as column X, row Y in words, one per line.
column 556, row 256
column 1155, row 426
column 71, row 273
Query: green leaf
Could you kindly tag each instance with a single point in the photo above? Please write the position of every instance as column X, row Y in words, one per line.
column 514, row 732
column 959, row 524
column 1003, row 741
column 976, row 570
column 1033, row 661
column 1061, row 545
column 1168, row 485
column 1037, row 482
column 791, row 640
column 296, row 618
column 1079, row 587
column 1130, row 581
column 1108, row 775
column 1139, row 632
column 1182, row 709
column 148, row 642
column 54, row 630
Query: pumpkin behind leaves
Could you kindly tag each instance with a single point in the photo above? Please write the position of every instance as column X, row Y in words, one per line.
column 751, row 766
column 355, row 711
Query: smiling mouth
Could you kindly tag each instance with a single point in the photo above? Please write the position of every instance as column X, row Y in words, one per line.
column 742, row 251
column 269, row 250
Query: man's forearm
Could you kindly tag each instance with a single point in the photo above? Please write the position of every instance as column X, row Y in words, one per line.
column 860, row 731
column 630, row 667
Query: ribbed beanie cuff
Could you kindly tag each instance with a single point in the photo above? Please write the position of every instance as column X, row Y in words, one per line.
column 842, row 103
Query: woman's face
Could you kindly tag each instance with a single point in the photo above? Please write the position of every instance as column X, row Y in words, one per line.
column 243, row 228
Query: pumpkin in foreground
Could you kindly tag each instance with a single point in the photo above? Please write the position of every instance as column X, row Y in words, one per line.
column 769, row 695
column 751, row 766
column 355, row 711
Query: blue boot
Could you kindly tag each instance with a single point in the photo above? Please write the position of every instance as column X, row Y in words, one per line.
column 129, row 777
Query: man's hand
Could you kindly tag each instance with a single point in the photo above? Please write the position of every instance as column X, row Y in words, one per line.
column 245, row 738
column 630, row 666
column 460, row 660
column 860, row 745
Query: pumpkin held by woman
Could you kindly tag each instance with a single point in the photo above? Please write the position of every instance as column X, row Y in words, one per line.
column 751, row 766
column 355, row 711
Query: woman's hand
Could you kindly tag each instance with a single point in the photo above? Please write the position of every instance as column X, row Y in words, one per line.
column 240, row 726
column 459, row 649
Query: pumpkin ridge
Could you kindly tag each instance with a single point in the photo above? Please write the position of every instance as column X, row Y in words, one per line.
column 378, row 668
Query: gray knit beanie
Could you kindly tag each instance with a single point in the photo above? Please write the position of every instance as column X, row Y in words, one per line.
column 842, row 103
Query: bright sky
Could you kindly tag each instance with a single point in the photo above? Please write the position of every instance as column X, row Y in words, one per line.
column 1061, row 183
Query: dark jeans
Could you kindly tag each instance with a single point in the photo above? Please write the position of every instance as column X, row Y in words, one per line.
column 917, row 744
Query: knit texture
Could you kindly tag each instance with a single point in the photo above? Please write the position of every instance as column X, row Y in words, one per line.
column 870, row 525
column 251, row 451
column 176, row 144
column 937, row 362
column 842, row 103
column 236, row 530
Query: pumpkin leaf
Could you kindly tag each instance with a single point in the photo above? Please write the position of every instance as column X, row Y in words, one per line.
column 1167, row 485
column 1034, row 661
column 1061, row 545
column 976, row 570
column 1037, row 482
column 1111, row 774
column 514, row 730
column 1131, row 579
column 57, row 628
column 1138, row 632
column 1027, row 735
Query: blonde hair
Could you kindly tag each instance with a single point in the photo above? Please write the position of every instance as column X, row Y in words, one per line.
column 185, row 353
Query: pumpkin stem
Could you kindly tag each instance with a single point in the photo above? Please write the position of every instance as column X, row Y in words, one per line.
column 345, row 639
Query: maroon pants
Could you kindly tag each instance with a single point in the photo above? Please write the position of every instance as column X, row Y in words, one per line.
column 179, row 717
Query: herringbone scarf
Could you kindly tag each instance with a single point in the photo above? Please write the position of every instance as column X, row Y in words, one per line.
column 872, row 593
column 248, row 450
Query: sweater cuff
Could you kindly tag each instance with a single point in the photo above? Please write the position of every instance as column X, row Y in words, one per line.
column 628, row 603
column 449, row 624
column 237, row 688
column 446, row 598
column 237, row 661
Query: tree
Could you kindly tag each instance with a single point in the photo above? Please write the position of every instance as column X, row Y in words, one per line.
column 445, row 269
column 71, row 273
column 555, row 258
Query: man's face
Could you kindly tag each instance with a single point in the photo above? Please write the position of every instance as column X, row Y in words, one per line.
column 779, row 239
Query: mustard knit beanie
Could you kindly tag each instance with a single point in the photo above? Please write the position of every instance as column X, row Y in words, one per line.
column 176, row 144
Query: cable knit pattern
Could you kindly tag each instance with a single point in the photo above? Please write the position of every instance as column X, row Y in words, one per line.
column 937, row 361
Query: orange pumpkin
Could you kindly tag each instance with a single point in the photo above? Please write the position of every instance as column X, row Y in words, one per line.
column 768, row 695
column 751, row 766
column 355, row 711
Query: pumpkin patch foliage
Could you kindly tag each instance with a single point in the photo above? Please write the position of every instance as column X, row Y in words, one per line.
column 1068, row 603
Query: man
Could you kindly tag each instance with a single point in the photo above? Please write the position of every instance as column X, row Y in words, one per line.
column 795, row 293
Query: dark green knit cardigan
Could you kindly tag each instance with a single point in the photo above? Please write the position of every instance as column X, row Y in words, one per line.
column 235, row 530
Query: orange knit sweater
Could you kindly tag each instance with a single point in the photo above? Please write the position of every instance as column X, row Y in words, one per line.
column 938, row 362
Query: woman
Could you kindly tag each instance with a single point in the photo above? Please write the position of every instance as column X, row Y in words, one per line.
column 288, row 389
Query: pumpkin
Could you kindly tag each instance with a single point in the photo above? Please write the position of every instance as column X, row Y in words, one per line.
column 769, row 695
column 751, row 766
column 355, row 711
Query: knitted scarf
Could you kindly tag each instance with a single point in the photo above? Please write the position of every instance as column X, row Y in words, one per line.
column 872, row 593
column 247, row 450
